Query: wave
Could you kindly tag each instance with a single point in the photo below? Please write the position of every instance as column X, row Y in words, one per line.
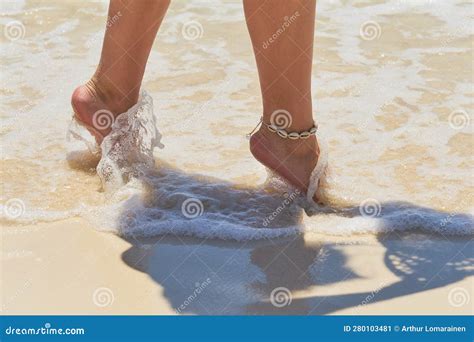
column 145, row 197
column 167, row 201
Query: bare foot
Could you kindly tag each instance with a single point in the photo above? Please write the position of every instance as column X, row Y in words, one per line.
column 294, row 160
column 96, row 109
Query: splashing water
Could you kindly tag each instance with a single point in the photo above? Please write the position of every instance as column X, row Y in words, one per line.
column 397, row 118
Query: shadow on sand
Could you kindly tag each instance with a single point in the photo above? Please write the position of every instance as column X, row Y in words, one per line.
column 212, row 277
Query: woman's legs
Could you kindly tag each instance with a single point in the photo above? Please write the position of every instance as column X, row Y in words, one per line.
column 282, row 37
column 131, row 30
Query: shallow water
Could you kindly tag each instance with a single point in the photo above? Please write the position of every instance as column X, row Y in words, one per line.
column 392, row 92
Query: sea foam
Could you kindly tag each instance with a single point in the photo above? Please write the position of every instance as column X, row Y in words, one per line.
column 386, row 108
column 145, row 197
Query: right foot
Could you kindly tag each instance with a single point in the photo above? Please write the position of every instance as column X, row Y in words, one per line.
column 96, row 110
column 293, row 160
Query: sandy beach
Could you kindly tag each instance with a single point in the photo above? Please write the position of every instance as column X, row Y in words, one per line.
column 393, row 97
column 69, row 268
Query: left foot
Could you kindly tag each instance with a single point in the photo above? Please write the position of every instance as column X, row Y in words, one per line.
column 293, row 160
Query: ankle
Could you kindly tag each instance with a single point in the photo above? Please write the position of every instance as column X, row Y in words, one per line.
column 299, row 148
column 107, row 93
column 292, row 118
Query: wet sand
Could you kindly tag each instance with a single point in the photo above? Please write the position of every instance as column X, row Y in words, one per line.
column 69, row 268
